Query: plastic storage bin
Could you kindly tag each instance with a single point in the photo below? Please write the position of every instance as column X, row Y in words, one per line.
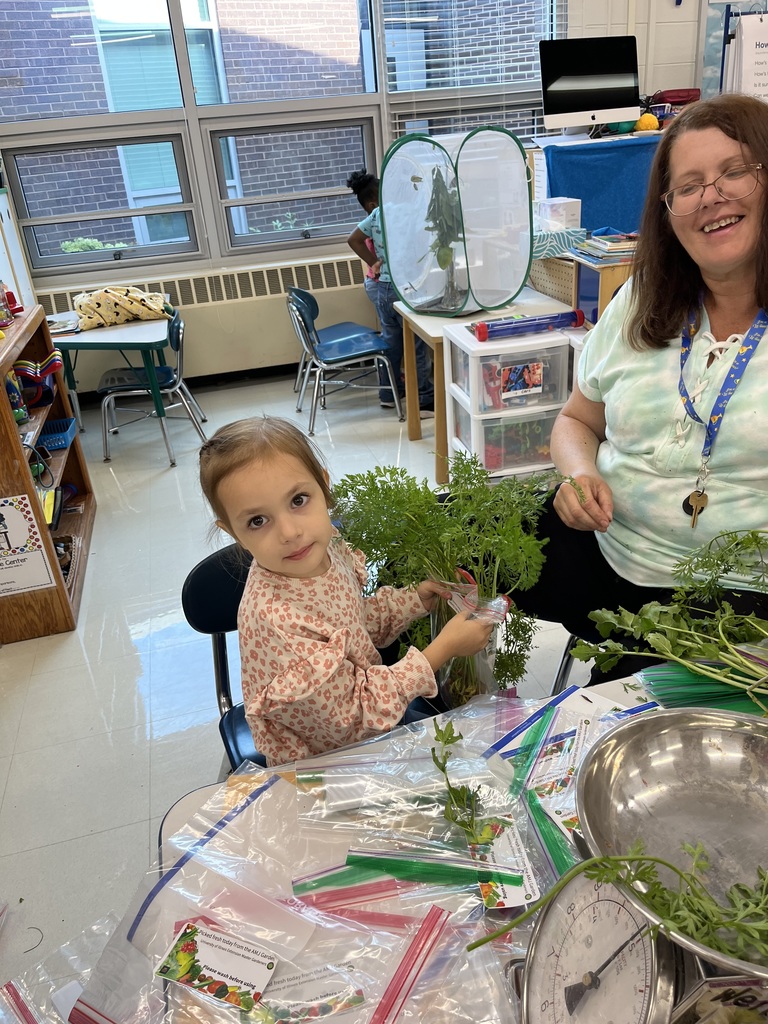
column 58, row 433
column 528, row 370
column 515, row 443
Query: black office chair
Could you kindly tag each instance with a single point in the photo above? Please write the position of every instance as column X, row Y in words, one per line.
column 210, row 598
column 131, row 382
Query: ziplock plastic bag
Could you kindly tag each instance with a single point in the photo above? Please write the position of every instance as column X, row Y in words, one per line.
column 340, row 965
column 462, row 678
column 396, row 797
column 47, row 991
column 541, row 757
column 461, row 987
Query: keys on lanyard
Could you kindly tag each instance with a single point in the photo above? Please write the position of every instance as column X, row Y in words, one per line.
column 695, row 502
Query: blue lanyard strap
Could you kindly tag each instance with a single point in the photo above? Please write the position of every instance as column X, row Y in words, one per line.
column 731, row 382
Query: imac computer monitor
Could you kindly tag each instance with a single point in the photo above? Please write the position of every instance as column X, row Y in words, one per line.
column 587, row 82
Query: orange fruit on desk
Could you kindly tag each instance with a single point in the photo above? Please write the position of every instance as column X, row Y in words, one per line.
column 647, row 123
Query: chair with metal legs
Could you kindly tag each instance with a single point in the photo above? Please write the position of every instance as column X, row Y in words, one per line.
column 334, row 332
column 343, row 363
column 131, row 382
column 565, row 666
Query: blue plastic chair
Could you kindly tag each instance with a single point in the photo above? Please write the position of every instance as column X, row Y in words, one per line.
column 335, row 332
column 343, row 361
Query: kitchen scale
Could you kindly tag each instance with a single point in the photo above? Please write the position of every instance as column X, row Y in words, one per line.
column 591, row 960
column 665, row 778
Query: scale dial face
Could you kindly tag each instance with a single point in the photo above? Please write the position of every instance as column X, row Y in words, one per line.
column 592, row 961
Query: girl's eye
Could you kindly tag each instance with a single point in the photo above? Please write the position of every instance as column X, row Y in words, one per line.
column 299, row 500
column 255, row 522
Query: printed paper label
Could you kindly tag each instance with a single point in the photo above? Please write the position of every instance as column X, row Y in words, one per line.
column 24, row 564
column 306, row 995
column 505, row 851
column 218, row 965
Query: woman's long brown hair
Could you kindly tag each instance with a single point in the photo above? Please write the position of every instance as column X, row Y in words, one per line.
column 666, row 282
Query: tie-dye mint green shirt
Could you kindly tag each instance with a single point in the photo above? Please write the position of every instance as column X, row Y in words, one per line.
column 652, row 451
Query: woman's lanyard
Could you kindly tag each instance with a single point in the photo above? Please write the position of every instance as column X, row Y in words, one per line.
column 697, row 500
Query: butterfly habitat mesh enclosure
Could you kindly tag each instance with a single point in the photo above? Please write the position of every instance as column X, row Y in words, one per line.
column 456, row 219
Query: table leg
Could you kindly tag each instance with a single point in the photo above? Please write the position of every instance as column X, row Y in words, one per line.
column 441, row 426
column 154, row 387
column 412, row 413
column 69, row 377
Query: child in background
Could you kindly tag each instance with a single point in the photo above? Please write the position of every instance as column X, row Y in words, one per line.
column 382, row 294
column 312, row 677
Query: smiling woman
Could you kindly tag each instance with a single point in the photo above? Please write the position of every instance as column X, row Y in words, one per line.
column 664, row 441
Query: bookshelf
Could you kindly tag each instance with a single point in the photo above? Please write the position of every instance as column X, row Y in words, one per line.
column 37, row 598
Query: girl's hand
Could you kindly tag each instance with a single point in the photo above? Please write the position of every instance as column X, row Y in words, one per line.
column 376, row 268
column 586, row 506
column 429, row 591
column 462, row 635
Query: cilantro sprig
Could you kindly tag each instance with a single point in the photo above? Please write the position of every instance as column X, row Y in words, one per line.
column 736, row 926
column 698, row 628
column 461, row 801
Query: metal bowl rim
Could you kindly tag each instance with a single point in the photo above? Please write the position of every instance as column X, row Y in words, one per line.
column 669, row 715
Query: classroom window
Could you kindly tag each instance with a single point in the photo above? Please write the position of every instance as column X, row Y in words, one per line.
column 149, row 130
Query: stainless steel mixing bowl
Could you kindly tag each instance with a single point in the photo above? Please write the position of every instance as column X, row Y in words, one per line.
column 682, row 776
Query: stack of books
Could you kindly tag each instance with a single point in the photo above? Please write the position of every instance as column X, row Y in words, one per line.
column 603, row 250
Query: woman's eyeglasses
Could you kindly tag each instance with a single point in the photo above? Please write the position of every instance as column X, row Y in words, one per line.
column 737, row 183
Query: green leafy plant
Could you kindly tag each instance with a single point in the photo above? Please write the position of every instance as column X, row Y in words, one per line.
column 736, row 927
column 698, row 629
column 444, row 220
column 290, row 222
column 461, row 801
column 81, row 244
column 408, row 535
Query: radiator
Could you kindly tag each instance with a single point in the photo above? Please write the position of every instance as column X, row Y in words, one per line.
column 237, row 321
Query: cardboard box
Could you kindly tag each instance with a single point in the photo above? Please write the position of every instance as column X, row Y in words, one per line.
column 551, row 244
column 557, row 213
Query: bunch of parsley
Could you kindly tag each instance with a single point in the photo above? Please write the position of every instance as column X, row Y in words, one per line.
column 699, row 627
column 410, row 533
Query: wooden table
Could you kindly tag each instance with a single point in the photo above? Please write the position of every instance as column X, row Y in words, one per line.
column 430, row 329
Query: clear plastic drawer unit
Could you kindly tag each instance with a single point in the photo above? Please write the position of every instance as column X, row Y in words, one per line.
column 529, row 370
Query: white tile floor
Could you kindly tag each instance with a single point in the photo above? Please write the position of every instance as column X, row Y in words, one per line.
column 102, row 729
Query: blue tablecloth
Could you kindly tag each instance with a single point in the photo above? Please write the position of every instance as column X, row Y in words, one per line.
column 610, row 178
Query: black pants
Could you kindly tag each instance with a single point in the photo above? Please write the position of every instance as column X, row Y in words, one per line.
column 576, row 579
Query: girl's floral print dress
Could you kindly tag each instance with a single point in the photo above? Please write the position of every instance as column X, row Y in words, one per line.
column 312, row 676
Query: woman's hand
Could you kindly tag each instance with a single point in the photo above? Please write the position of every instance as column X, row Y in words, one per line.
column 462, row 635
column 429, row 591
column 585, row 504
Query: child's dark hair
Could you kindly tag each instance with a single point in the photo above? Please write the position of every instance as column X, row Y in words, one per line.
column 364, row 185
column 244, row 441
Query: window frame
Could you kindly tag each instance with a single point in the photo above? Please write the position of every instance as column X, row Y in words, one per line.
column 147, row 254
column 196, row 129
column 217, row 129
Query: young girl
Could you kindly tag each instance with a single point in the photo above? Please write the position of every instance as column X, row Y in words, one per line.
column 312, row 676
column 381, row 292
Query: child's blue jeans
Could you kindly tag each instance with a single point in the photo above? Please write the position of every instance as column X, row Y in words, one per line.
column 383, row 295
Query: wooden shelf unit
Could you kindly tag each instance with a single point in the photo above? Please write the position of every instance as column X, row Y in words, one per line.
column 52, row 609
